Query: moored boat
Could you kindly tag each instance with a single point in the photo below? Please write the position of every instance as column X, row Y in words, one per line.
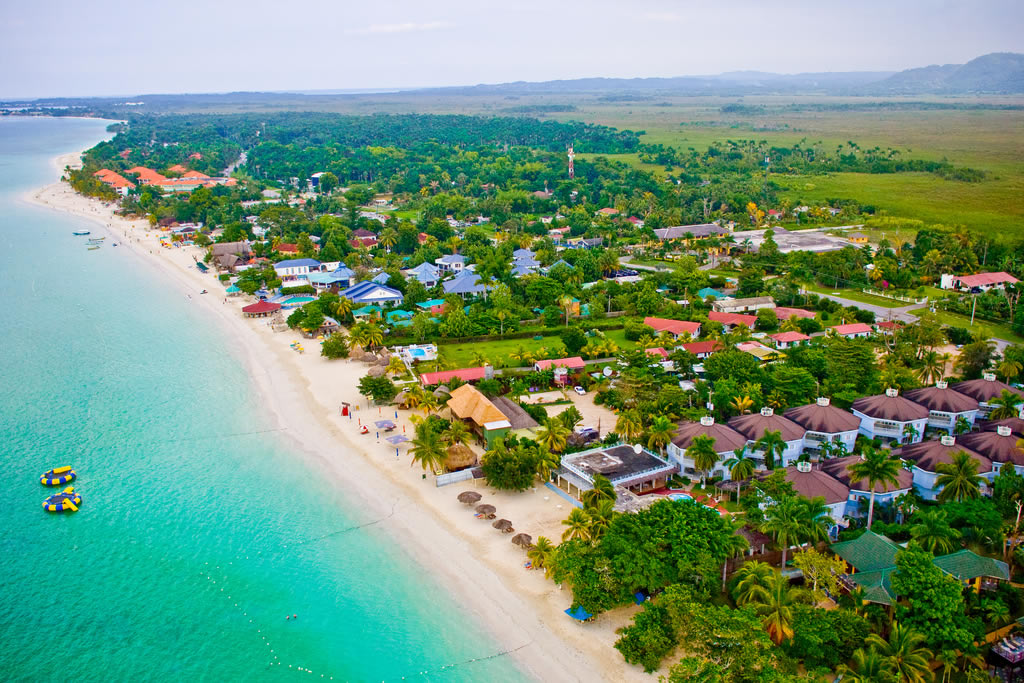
column 58, row 476
column 80, row 232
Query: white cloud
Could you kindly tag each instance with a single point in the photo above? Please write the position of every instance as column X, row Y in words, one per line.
column 407, row 27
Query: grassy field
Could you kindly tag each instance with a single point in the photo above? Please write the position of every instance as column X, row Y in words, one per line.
column 982, row 328
column 855, row 295
column 499, row 351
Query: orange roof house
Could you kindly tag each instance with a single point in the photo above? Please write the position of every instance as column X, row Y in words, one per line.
column 177, row 168
column 147, row 176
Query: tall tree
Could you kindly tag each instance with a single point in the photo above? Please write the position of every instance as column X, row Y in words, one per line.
column 903, row 653
column 773, row 446
column 702, row 452
column 875, row 467
column 959, row 478
column 782, row 522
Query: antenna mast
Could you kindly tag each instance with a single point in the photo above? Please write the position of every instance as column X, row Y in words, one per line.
column 571, row 155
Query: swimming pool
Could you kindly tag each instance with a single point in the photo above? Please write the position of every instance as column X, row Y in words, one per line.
column 297, row 300
column 419, row 353
column 679, row 496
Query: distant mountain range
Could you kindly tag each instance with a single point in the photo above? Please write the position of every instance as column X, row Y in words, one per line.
column 996, row 73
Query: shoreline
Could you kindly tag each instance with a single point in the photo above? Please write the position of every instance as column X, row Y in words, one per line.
column 521, row 610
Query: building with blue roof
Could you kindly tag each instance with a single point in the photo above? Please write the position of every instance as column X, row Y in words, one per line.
column 708, row 291
column 451, row 263
column 467, row 284
column 370, row 292
column 427, row 305
column 425, row 273
column 522, row 271
column 522, row 253
column 297, row 268
column 381, row 278
column 340, row 278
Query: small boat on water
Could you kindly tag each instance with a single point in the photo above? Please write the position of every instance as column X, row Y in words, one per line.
column 58, row 476
column 96, row 239
column 65, row 501
column 94, row 247
column 80, row 232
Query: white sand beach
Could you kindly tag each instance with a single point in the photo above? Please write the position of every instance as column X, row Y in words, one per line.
column 303, row 394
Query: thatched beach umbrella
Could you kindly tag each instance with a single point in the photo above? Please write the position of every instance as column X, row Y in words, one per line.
column 523, row 540
column 460, row 456
column 401, row 398
column 442, row 391
column 503, row 525
column 469, row 497
column 486, row 510
column 376, row 371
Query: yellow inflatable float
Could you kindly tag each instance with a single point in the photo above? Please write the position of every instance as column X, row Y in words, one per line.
column 58, row 476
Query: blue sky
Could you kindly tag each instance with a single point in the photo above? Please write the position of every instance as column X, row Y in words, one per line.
column 119, row 47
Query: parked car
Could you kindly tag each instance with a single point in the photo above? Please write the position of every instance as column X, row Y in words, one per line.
column 579, row 390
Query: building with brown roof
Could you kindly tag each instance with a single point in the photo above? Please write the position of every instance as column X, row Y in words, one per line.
column 885, row 493
column 727, row 440
column 825, row 423
column 985, row 389
column 811, row 482
column 999, row 446
column 891, row 417
column 466, row 403
column 1015, row 424
column 756, row 425
column 945, row 406
column 928, row 455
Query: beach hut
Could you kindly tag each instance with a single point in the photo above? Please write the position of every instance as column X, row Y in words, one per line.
column 376, row 371
column 469, row 497
column 260, row 309
column 504, row 526
column 523, row 540
column 460, row 456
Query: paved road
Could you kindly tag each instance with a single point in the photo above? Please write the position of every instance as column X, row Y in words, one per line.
column 628, row 261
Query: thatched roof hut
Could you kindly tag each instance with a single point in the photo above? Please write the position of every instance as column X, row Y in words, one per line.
column 503, row 525
column 469, row 497
column 376, row 371
column 460, row 456
column 486, row 510
column 523, row 540
column 442, row 391
column 400, row 398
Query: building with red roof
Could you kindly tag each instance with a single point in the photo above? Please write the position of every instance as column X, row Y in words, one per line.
column 114, row 180
column 982, row 281
column 702, row 349
column 147, row 176
column 260, row 309
column 573, row 363
column 676, row 328
column 287, row 248
column 429, row 379
column 657, row 351
column 853, row 330
column 783, row 340
column 784, row 313
column 730, row 320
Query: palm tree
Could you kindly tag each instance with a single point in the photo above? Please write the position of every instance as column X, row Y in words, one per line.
column 752, row 582
column 660, row 433
column 782, row 522
column 813, row 515
column 522, row 355
column 541, row 553
column 577, row 525
column 457, row 433
column 1009, row 369
column 790, row 324
column 875, row 467
column 343, row 308
column 959, row 479
column 933, row 368
column 910, row 432
column 477, row 358
column 868, row 667
column 554, row 435
column 776, row 609
column 933, row 533
column 388, row 238
column 546, row 463
column 741, row 404
column 603, row 490
column 565, row 303
column 601, row 516
column 373, row 334
column 773, row 446
column 903, row 653
column 429, row 403
column 1005, row 405
column 629, row 425
column 427, row 449
column 734, row 545
column 741, row 468
column 702, row 452
column 396, row 366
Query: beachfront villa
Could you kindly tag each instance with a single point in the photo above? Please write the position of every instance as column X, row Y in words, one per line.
column 928, row 455
column 369, row 292
column 260, row 309
column 825, row 423
column 756, row 425
column 339, row 278
column 300, row 268
column 885, row 493
column 891, row 417
column 986, row 389
column 871, row 559
column 632, row 467
column 727, row 441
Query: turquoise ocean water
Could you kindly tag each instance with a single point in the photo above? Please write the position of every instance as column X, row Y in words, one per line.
column 198, row 531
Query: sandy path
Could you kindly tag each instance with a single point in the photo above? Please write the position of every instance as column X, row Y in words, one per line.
column 303, row 393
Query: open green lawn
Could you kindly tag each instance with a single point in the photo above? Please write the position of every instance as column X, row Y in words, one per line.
column 855, row 295
column 499, row 351
column 984, row 328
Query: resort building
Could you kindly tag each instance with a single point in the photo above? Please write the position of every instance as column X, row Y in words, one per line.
column 370, row 292
column 891, row 417
column 688, row 232
column 300, row 268
column 985, row 389
column 727, row 441
column 676, row 328
column 483, row 417
column 928, row 455
column 853, row 330
column 709, row 292
column 885, row 493
column 340, row 278
column 811, row 482
column 871, row 559
column 229, row 255
column 632, row 467
column 981, row 282
column 756, row 425
column 999, row 446
column 743, row 305
column 429, row 379
column 825, row 423
column 451, row 263
column 115, row 180
column 466, row 284
column 1014, row 424
column 563, row 368
column 425, row 273
column 785, row 340
column 946, row 407
column 260, row 309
